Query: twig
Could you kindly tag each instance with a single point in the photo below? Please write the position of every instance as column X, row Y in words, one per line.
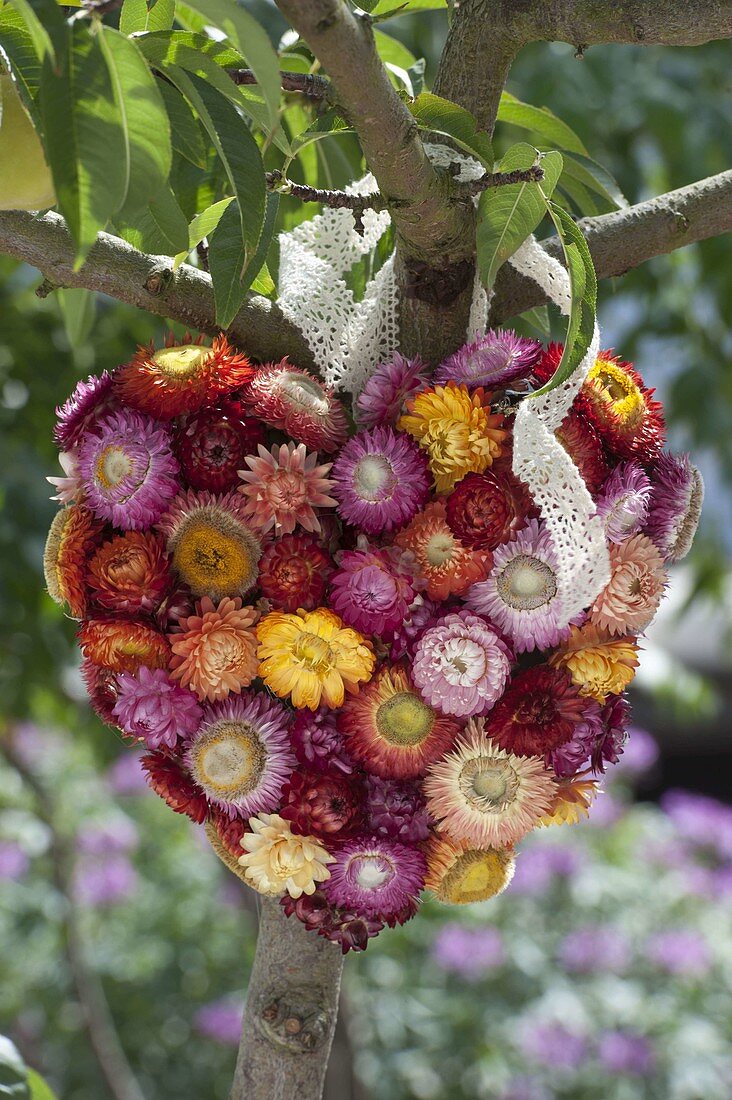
column 115, row 1069
column 308, row 84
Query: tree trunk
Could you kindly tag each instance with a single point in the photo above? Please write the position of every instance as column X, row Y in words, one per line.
column 291, row 1011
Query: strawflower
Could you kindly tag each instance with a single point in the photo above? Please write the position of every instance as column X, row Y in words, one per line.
column 294, row 572
column 121, row 645
column 276, row 859
column 631, row 597
column 459, row 874
column 677, row 495
column 214, row 651
column 382, row 399
column 461, row 665
column 448, row 566
column 376, row 878
column 372, row 590
column 294, row 401
column 152, row 707
column 129, row 574
column 380, row 480
column 599, row 664
column 283, row 487
column 73, row 535
column 211, row 445
column 492, row 361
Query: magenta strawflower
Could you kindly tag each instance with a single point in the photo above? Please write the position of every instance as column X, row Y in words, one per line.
column 318, row 744
column 88, row 401
column 376, row 878
column 127, row 467
column 421, row 612
column 574, row 755
column 381, row 480
column 154, row 708
column 372, row 590
column 240, row 756
column 396, row 810
column 491, row 361
column 461, row 665
column 623, row 501
column 381, row 401
column 677, row 495
column 521, row 593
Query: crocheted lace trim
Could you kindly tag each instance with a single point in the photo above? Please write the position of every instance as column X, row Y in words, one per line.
column 349, row 337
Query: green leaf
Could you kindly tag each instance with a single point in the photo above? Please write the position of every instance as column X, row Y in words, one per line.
column 232, row 272
column 393, row 51
column 583, row 282
column 542, row 122
column 39, row 1090
column 263, row 283
column 161, row 228
column 13, row 1072
column 538, row 319
column 251, row 39
column 84, row 137
column 39, row 35
column 18, row 51
column 202, row 226
column 443, row 117
column 77, row 309
column 387, row 9
column 597, row 179
column 137, row 16
column 148, row 153
column 507, row 215
column 185, row 129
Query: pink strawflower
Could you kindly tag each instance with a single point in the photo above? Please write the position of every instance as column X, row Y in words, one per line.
column 127, row 467
column 283, row 487
column 154, row 708
column 421, row 612
column 382, row 399
column 491, row 361
column 88, row 400
column 372, row 590
column 521, row 594
column 631, row 597
column 461, row 666
column 240, row 755
column 297, row 403
column 623, row 501
column 69, row 486
column 677, row 495
column 376, row 878
column 381, row 480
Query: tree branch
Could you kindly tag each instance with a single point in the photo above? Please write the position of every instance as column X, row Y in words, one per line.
column 626, row 238
column 486, row 35
column 291, row 1011
column 115, row 268
column 308, row 84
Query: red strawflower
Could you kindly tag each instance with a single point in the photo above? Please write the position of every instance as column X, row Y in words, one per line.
column 181, row 379
column 540, row 710
column 482, row 511
column 211, row 445
column 339, row 926
column 168, row 779
column 123, row 646
column 314, row 910
column 230, row 830
column 294, row 572
column 324, row 806
column 292, row 400
column 101, row 686
column 130, row 573
column 581, row 441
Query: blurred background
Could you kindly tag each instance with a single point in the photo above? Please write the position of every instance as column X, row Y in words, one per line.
column 605, row 969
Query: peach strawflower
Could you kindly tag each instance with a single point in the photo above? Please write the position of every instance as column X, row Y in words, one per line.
column 70, row 541
column 311, row 656
column 216, row 651
column 283, row 487
column 457, row 430
column 631, row 597
column 573, row 799
column 277, row 860
column 448, row 566
column 599, row 664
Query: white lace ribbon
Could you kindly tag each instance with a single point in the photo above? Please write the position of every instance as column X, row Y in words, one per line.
column 349, row 337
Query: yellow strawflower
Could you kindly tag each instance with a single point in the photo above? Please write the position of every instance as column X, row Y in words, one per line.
column 598, row 664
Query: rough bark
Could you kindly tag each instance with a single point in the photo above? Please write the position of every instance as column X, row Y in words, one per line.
column 291, row 1012
column 115, row 268
column 486, row 35
column 627, row 238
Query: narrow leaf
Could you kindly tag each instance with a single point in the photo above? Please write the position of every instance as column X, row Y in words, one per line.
column 39, row 1089
column 84, row 137
column 161, row 229
column 18, row 51
column 77, row 310
column 39, row 35
column 583, row 282
column 202, row 226
column 232, row 271
column 538, row 319
column 542, row 122
column 133, row 17
column 148, row 153
column 185, row 128
column 393, row 51
column 507, row 215
column 443, row 117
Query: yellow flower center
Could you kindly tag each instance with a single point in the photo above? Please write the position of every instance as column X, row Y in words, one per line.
column 488, row 785
column 526, row 583
column 113, row 466
column 405, row 720
column 616, row 389
column 440, row 548
column 181, row 362
column 476, row 876
column 215, row 556
column 228, row 759
column 314, row 653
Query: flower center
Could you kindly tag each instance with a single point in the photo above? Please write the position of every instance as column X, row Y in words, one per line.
column 526, row 583
column 181, row 362
column 404, row 719
column 462, row 662
column 304, row 392
column 227, row 759
column 440, row 548
column 215, row 558
column 113, row 466
column 372, row 872
column 314, row 653
column 287, row 491
column 373, row 478
column 475, row 876
column 488, row 785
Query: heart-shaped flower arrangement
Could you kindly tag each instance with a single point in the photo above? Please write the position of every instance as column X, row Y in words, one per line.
column 345, row 650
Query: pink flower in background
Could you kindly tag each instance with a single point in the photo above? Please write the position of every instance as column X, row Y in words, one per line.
column 470, row 953
column 220, row 1020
